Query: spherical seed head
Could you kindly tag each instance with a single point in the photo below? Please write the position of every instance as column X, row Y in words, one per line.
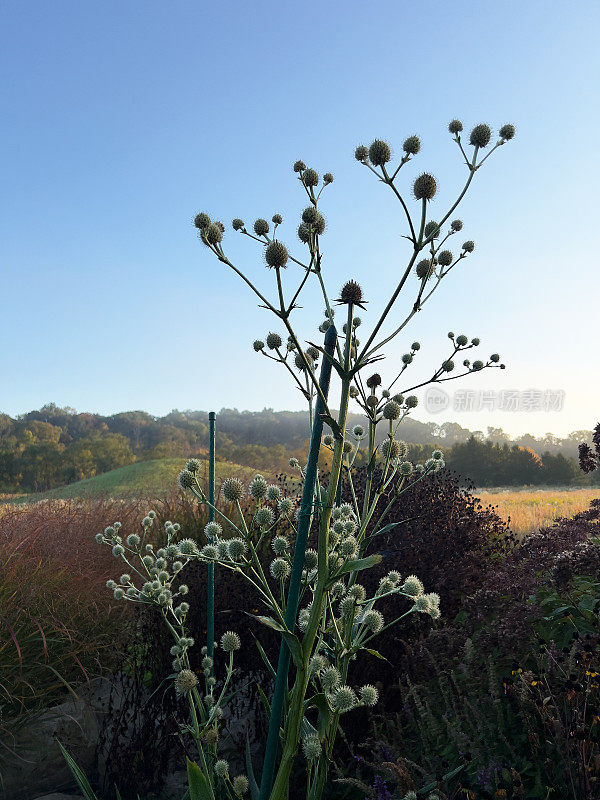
column 358, row 431
column 344, row 699
column 236, row 549
column 328, row 440
column 412, row 586
column 461, row 340
column 304, row 233
column 232, row 489
column 445, row 258
column 475, row 340
column 330, row 679
column 220, row 225
column 261, row 227
column 373, row 620
column 280, row 544
column 494, row 358
column 456, row 224
column 412, row 401
column 230, row 641
column 374, row 380
column 425, row 187
column 201, row 221
column 237, row 224
column 276, row 255
column 185, row 681
column 390, row 446
column 185, row 479
column 469, row 246
column 406, row 359
column 431, row 229
column 280, row 569
column 313, row 352
column 391, row 410
column 424, row 269
column 240, row 785
column 448, row 365
column 353, row 392
column 379, row 153
column 310, row 215
column 327, row 178
column 213, row 233
column 274, row 341
column 299, row 166
column 264, row 517
column 437, row 455
column 480, row 135
column 273, row 493
column 133, row 540
column 300, row 361
column 361, row 153
column 210, row 552
column 277, row 219
column 369, row 695
column 319, row 224
column 455, row 126
column 412, row 145
column 507, row 132
column 310, row 177
column 477, row 365
column 422, row 604
column 351, row 293
column 311, row 747
column 222, row 768
column 285, row 506
column 258, row 345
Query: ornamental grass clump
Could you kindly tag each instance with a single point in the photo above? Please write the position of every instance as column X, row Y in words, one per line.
column 304, row 559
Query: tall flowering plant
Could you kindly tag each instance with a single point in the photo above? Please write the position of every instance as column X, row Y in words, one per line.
column 310, row 588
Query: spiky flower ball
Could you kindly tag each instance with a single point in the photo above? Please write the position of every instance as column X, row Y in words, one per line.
column 230, row 641
column 373, row 381
column 327, row 178
column 311, row 747
column 358, row 431
column 330, row 679
column 351, row 293
column 193, row 464
column 280, row 569
column 299, row 166
column 495, row 358
column 185, row 479
column 310, row 215
column 236, row 549
column 274, row 341
column 456, row 224
column 391, row 410
column 369, row 695
column 437, row 455
column 406, row 468
column 344, row 699
column 455, row 126
column 412, row 586
column 373, row 620
column 390, row 446
column 461, row 340
column 311, row 559
column 304, row 233
column 237, row 224
column 258, row 345
column 277, row 219
column 212, row 530
column 361, row 153
column 507, row 132
column 240, row 785
column 412, row 145
column 468, row 247
column 185, row 681
column 213, row 233
column 379, row 153
column 310, row 177
column 425, row 187
column 285, row 506
column 222, row 768
column 232, row 489
column 480, row 135
column 445, row 258
column 412, row 401
column 301, row 361
column 477, row 366
column 264, row 517
column 431, row 229
column 258, row 487
column 276, row 255
column 201, row 221
column 261, row 227
column 424, row 269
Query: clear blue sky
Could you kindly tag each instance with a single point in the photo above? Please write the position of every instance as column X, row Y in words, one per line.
column 122, row 119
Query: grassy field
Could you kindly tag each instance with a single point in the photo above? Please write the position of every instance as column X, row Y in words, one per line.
column 146, row 478
column 531, row 509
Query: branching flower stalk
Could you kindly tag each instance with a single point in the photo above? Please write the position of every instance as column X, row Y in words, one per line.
column 325, row 617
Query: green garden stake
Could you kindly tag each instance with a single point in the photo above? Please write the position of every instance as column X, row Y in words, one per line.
column 210, row 600
column 291, row 609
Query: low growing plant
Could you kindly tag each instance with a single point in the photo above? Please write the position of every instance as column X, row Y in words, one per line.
column 312, row 595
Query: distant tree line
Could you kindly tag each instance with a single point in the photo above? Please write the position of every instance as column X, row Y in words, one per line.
column 54, row 446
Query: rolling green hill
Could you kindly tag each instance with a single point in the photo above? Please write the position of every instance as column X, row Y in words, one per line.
column 145, row 478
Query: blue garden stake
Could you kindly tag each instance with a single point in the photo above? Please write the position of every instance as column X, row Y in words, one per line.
column 291, row 610
column 210, row 600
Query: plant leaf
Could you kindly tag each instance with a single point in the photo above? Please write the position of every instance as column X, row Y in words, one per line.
column 377, row 654
column 357, row 564
column 78, row 774
column 254, row 791
column 200, row 788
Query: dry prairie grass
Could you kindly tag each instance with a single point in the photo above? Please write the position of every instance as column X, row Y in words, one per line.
column 532, row 509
